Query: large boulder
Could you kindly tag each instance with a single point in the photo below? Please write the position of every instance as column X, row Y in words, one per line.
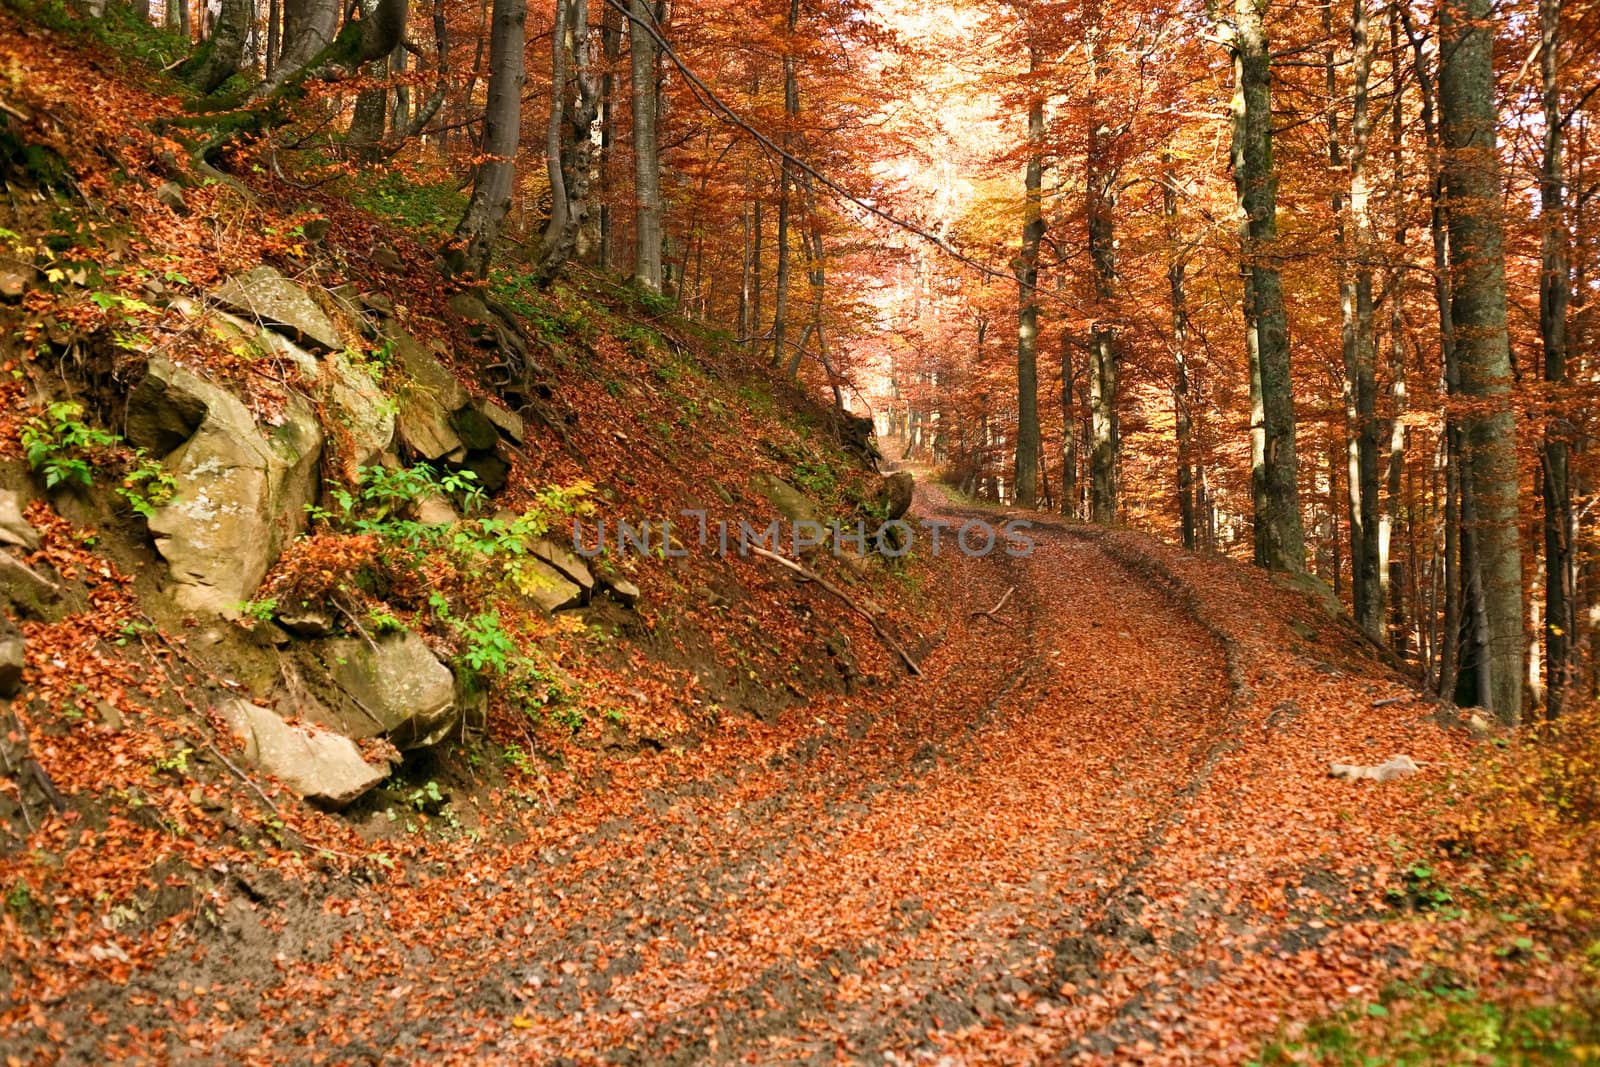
column 324, row 767
column 264, row 295
column 398, row 685
column 241, row 493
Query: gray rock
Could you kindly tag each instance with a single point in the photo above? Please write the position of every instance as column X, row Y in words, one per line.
column 896, row 494
column 266, row 296
column 14, row 529
column 505, row 420
column 28, row 592
column 16, row 279
column 548, row 587
column 402, row 689
column 306, row 622
column 623, row 591
column 240, row 495
column 568, row 563
column 13, row 658
column 321, row 766
column 475, row 430
column 429, row 395
column 170, row 196
column 162, row 414
column 491, row 470
column 1395, row 767
column 276, row 344
column 790, row 502
column 435, row 510
column 366, row 416
column 386, row 258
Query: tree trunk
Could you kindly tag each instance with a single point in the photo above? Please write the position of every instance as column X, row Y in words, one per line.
column 1069, row 431
column 1180, row 355
column 309, row 27
column 1560, row 617
column 274, row 31
column 756, row 250
column 491, row 191
column 1105, row 356
column 400, row 117
column 646, row 153
column 569, row 139
column 1027, row 270
column 791, row 109
column 1471, row 171
column 1279, row 533
column 1354, row 235
column 611, row 52
column 220, row 56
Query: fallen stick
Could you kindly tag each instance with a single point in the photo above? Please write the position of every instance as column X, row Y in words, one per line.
column 811, row 575
column 991, row 612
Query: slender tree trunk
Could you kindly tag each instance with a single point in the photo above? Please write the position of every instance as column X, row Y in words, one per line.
column 1027, row 270
column 756, row 251
column 611, row 52
column 1105, row 355
column 791, row 109
column 1483, row 351
column 569, row 139
column 274, row 32
column 1560, row 616
column 1354, row 235
column 646, row 154
column 491, row 191
column 1069, row 430
column 400, row 117
column 1391, row 571
column 1279, row 533
column 1180, row 354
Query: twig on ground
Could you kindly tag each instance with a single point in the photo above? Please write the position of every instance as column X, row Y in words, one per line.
column 992, row 611
column 811, row 575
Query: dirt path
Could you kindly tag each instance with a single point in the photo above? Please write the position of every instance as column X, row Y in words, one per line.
column 1024, row 856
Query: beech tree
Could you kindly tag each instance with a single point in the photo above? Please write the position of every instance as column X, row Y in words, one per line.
column 1279, row 535
column 1471, row 172
column 475, row 236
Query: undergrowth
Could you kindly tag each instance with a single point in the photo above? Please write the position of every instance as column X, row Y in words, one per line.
column 1510, row 872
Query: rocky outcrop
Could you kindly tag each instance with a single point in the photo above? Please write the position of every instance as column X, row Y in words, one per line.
column 364, row 416
column 429, row 396
column 325, row 768
column 241, row 493
column 399, row 688
column 264, row 295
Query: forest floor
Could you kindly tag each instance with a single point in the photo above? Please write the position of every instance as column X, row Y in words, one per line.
column 1100, row 828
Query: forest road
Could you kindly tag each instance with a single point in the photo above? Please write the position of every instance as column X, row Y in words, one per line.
column 997, row 862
